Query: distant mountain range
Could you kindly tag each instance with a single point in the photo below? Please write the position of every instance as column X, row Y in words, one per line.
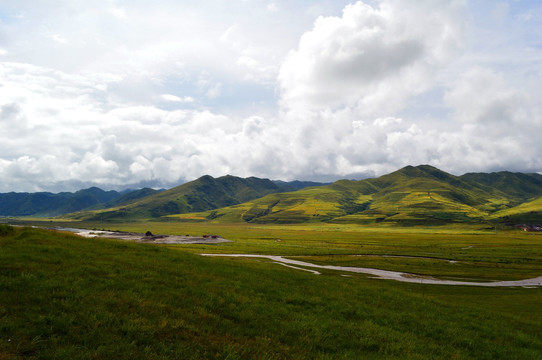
column 409, row 196
column 49, row 204
column 199, row 195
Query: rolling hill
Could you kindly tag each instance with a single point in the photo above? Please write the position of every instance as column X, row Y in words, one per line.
column 205, row 193
column 409, row 196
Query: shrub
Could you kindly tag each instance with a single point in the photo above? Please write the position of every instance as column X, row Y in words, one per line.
column 6, row 230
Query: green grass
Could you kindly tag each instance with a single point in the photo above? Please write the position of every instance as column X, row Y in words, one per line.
column 529, row 212
column 63, row 296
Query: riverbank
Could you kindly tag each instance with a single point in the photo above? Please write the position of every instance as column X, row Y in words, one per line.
column 386, row 274
column 145, row 238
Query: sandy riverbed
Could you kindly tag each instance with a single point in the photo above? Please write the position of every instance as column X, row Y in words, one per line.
column 386, row 274
column 152, row 239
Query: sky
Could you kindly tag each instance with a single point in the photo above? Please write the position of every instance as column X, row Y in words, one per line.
column 130, row 93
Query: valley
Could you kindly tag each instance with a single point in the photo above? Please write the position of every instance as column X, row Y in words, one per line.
column 417, row 264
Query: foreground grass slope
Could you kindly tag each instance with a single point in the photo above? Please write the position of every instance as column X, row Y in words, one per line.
column 70, row 297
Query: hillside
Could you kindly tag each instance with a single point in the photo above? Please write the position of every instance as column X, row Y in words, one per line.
column 49, row 204
column 205, row 193
column 296, row 184
column 409, row 196
column 529, row 212
column 516, row 185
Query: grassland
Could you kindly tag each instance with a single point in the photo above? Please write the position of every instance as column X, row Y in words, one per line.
column 68, row 297
column 527, row 212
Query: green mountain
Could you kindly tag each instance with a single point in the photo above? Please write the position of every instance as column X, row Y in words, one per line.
column 49, row 204
column 296, row 184
column 516, row 185
column 411, row 195
column 129, row 197
column 529, row 212
column 205, row 193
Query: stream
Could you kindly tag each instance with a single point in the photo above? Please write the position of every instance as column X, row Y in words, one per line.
column 386, row 274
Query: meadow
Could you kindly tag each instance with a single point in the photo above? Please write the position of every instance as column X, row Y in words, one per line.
column 64, row 296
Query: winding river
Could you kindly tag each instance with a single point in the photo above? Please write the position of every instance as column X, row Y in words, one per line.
column 385, row 274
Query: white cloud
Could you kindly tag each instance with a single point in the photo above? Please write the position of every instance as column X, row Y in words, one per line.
column 371, row 55
column 481, row 96
column 257, row 71
column 384, row 122
column 177, row 99
column 381, row 85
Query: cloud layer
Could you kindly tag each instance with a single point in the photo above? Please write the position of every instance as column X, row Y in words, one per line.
column 120, row 94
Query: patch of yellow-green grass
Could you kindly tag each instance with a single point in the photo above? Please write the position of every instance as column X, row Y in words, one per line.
column 91, row 213
column 305, row 205
column 190, row 216
column 364, row 218
column 425, row 201
column 495, row 204
column 527, row 207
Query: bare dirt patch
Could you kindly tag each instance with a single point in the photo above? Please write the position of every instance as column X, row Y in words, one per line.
column 148, row 238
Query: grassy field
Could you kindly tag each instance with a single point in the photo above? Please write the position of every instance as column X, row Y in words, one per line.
column 64, row 296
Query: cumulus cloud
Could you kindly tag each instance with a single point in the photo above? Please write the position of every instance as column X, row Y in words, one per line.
column 481, row 96
column 85, row 138
column 342, row 88
column 496, row 120
column 142, row 94
column 371, row 55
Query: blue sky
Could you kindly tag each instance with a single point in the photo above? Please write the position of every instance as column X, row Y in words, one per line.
column 119, row 93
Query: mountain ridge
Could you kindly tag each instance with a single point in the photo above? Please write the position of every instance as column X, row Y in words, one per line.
column 412, row 195
column 202, row 194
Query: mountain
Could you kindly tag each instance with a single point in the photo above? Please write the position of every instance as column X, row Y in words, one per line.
column 516, row 185
column 48, row 204
column 296, row 184
column 529, row 212
column 130, row 196
column 412, row 195
column 409, row 196
column 205, row 193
